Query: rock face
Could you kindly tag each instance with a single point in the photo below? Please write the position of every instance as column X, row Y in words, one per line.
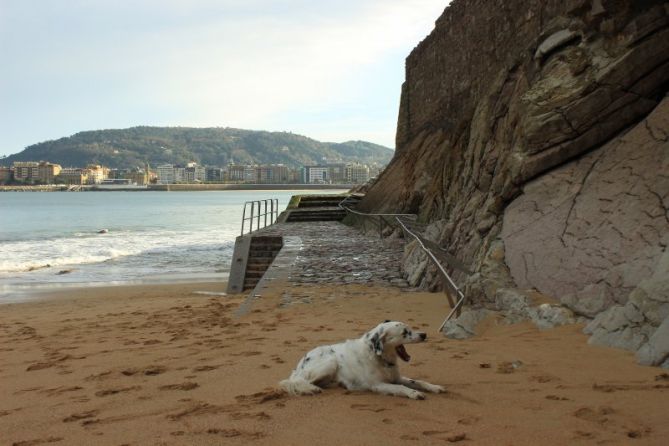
column 533, row 138
column 591, row 230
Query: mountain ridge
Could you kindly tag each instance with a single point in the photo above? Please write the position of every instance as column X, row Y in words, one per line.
column 136, row 146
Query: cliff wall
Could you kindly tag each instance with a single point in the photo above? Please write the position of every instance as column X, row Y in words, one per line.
column 532, row 138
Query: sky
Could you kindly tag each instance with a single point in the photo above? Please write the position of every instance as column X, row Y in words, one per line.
column 330, row 70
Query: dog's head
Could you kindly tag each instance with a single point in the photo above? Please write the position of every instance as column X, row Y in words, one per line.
column 388, row 338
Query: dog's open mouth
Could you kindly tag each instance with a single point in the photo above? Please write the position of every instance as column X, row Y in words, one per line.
column 402, row 353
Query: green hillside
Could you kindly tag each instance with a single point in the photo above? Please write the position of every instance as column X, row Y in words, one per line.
column 207, row 146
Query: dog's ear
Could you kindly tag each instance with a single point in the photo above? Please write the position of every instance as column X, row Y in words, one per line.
column 376, row 341
column 386, row 321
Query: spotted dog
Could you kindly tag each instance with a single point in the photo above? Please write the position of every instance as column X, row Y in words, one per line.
column 366, row 363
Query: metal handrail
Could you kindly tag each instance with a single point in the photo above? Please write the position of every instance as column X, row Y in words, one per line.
column 398, row 217
column 262, row 205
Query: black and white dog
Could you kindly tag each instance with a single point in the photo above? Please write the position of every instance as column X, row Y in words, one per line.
column 366, row 363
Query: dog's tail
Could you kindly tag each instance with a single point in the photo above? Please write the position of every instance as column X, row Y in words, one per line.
column 299, row 386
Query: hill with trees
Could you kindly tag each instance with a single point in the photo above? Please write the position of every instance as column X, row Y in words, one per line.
column 136, row 146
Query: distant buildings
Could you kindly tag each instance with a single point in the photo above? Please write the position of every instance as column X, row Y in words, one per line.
column 6, row 174
column 336, row 173
column 73, row 176
column 32, row 172
column 43, row 172
column 137, row 175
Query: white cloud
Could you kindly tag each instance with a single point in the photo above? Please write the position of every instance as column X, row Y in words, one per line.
column 231, row 63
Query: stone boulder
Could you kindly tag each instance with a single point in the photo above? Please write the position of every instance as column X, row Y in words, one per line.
column 642, row 324
column 518, row 305
column 464, row 326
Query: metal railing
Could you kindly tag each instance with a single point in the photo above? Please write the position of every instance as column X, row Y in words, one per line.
column 261, row 211
column 406, row 222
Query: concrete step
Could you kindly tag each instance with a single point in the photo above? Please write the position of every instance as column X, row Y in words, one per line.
column 266, row 247
column 319, row 203
column 292, row 219
column 264, row 254
column 255, row 274
column 250, row 284
column 257, row 268
column 320, row 212
column 260, row 261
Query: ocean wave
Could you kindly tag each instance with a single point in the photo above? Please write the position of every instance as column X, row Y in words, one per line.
column 85, row 249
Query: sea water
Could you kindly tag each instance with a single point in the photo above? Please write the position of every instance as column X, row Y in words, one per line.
column 56, row 239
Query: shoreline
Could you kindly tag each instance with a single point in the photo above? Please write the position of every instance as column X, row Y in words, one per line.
column 182, row 188
column 28, row 293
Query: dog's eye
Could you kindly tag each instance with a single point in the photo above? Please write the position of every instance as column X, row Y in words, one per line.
column 405, row 333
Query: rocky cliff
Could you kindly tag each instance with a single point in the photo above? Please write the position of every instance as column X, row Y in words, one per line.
column 533, row 139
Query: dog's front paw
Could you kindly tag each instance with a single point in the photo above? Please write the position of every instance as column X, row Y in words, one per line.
column 416, row 395
column 437, row 389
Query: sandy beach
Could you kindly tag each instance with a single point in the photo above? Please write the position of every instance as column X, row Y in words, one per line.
column 173, row 365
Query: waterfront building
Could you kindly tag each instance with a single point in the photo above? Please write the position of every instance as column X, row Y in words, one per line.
column 6, row 174
column 96, row 173
column 250, row 174
column 315, row 174
column 194, row 173
column 272, row 174
column 73, row 176
column 238, row 173
column 214, row 174
column 135, row 175
column 357, row 173
column 138, row 176
column 32, row 172
column 24, row 171
column 190, row 173
column 165, row 174
column 337, row 173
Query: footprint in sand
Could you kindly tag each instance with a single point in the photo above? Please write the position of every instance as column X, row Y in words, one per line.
column 205, row 368
column 81, row 416
column 368, row 407
column 248, row 415
column 37, row 441
column 232, row 433
column 542, row 379
column 582, row 435
column 197, row 409
column 468, row 421
column 181, row 386
column 262, row 397
column 114, row 391
column 154, row 370
column 60, row 390
column 599, row 416
column 249, row 353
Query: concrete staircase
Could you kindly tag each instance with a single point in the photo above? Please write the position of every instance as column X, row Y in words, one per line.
column 262, row 251
column 318, row 208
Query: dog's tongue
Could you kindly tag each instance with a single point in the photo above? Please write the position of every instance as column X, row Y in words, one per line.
column 402, row 353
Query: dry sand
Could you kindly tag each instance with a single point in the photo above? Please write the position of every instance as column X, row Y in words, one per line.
column 161, row 365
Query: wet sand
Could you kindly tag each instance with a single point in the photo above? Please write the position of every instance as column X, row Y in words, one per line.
column 172, row 365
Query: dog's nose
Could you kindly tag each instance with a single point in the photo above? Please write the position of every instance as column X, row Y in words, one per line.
column 423, row 336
